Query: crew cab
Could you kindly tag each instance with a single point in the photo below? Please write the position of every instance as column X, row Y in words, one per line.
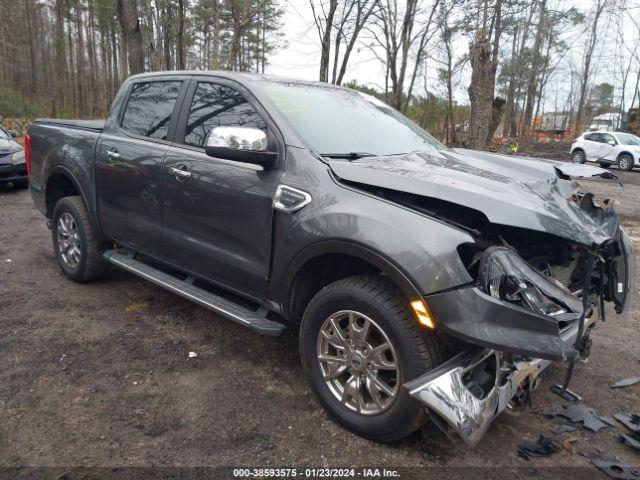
column 425, row 282
column 607, row 148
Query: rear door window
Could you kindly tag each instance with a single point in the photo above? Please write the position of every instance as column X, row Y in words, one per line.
column 216, row 105
column 148, row 111
column 592, row 137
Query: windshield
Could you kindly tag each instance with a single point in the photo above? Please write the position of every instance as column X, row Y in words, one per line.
column 628, row 139
column 340, row 121
column 4, row 133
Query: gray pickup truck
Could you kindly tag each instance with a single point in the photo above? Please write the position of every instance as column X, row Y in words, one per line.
column 426, row 282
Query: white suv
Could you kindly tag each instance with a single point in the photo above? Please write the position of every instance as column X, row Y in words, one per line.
column 607, row 148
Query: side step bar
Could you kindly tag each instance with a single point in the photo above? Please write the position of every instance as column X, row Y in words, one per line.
column 239, row 314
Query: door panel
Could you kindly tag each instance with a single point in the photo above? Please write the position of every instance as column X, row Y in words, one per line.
column 607, row 152
column 128, row 186
column 128, row 166
column 218, row 221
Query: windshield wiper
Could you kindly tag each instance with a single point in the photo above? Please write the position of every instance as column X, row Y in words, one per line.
column 348, row 156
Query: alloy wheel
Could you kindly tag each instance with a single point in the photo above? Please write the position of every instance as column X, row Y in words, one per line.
column 358, row 362
column 69, row 240
column 578, row 157
column 625, row 162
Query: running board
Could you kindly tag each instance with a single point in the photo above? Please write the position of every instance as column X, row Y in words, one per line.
column 239, row 314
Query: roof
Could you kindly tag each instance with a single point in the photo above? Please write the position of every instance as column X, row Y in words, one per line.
column 238, row 76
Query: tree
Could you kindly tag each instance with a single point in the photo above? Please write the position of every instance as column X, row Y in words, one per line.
column 483, row 56
column 586, row 69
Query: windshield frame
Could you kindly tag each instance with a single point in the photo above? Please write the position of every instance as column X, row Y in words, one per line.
column 4, row 134
column 259, row 90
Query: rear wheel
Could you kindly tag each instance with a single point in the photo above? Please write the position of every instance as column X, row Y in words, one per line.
column 578, row 157
column 359, row 344
column 75, row 242
column 625, row 162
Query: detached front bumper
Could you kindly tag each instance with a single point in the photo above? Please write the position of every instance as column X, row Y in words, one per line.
column 470, row 390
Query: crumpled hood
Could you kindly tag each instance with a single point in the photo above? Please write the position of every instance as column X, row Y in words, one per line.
column 8, row 146
column 514, row 191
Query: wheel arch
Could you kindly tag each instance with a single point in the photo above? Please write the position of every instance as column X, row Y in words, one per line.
column 61, row 183
column 325, row 262
column 626, row 152
column 577, row 149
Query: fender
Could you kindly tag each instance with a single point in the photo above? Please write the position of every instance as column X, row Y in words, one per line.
column 345, row 247
column 63, row 170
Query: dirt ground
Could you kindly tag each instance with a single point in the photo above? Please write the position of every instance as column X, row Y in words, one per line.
column 99, row 376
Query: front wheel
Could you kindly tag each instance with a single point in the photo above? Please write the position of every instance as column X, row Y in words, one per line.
column 625, row 162
column 578, row 157
column 359, row 344
column 75, row 242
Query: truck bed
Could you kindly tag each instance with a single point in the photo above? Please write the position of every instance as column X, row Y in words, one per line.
column 93, row 125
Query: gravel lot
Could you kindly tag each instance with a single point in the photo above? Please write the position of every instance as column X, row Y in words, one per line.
column 99, row 375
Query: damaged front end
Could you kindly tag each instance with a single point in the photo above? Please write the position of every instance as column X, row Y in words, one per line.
column 544, row 261
column 534, row 301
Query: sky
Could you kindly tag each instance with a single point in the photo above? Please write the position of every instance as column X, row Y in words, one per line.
column 300, row 59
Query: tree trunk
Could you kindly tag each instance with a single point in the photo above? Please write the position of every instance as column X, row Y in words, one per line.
column 587, row 65
column 481, row 92
column 326, row 42
column 532, row 81
column 182, row 63
column 122, row 40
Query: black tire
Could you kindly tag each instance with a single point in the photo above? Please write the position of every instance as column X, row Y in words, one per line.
column 21, row 185
column 417, row 350
column 604, row 165
column 91, row 265
column 578, row 156
column 625, row 162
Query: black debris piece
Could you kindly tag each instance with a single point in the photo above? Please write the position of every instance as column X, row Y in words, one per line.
column 629, row 420
column 615, row 469
column 627, row 382
column 582, row 413
column 559, row 430
column 633, row 440
column 543, row 447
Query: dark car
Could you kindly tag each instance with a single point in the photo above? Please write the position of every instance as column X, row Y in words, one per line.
column 425, row 282
column 13, row 166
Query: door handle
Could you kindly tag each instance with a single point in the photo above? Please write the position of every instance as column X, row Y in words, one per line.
column 113, row 154
column 179, row 173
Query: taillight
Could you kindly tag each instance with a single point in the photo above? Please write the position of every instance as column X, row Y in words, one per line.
column 27, row 153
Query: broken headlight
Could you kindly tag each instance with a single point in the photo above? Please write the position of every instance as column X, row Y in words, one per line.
column 506, row 276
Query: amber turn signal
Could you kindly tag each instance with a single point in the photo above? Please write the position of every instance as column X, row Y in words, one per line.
column 423, row 314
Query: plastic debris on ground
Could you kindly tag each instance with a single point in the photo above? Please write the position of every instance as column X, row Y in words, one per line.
column 193, row 354
column 632, row 440
column 543, row 447
column 631, row 421
column 627, row 382
column 136, row 307
column 618, row 470
column 580, row 413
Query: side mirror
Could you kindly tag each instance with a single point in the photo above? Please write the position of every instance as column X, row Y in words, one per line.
column 240, row 144
column 611, row 142
column 13, row 133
